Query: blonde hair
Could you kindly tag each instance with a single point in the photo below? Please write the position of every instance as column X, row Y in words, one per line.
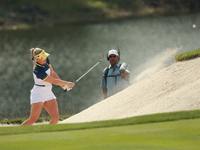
column 34, row 52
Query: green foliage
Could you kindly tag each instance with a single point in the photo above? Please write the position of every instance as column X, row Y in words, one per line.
column 69, row 11
column 60, row 6
column 63, row 6
column 121, row 4
column 14, row 121
column 1, row 9
column 188, row 55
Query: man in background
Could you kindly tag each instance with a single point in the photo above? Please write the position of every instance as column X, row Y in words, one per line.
column 115, row 77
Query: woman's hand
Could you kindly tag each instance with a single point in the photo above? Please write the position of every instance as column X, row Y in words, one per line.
column 70, row 84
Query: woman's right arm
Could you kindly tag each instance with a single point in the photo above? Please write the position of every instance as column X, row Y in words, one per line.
column 59, row 82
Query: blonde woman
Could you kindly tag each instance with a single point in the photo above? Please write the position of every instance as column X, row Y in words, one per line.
column 41, row 94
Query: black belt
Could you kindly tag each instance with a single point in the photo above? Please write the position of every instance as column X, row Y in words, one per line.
column 40, row 85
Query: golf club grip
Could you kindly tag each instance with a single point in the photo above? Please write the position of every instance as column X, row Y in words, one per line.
column 66, row 88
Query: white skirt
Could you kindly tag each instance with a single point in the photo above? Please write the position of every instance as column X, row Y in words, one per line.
column 41, row 94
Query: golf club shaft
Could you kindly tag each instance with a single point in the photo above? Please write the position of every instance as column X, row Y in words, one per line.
column 67, row 88
column 89, row 69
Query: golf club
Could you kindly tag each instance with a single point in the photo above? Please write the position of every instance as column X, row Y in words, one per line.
column 66, row 88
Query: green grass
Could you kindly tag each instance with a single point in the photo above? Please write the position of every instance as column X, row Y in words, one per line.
column 169, row 135
column 188, row 55
column 163, row 117
column 166, row 131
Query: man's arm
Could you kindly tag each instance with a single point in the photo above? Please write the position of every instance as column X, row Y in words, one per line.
column 126, row 74
column 104, row 92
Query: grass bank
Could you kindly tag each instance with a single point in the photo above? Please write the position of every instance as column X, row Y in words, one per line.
column 163, row 117
column 188, row 55
column 167, row 131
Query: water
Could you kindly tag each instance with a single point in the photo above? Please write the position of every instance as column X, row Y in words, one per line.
column 147, row 45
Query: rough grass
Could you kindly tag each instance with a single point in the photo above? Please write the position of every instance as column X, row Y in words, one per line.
column 188, row 55
column 21, row 120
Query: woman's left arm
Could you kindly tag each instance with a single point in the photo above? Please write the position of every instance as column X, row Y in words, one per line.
column 53, row 74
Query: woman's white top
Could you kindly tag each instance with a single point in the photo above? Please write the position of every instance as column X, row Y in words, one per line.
column 42, row 90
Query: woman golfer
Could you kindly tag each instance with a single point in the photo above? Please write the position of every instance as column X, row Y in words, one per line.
column 41, row 94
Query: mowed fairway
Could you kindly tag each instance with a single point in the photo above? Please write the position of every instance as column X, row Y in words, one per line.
column 174, row 135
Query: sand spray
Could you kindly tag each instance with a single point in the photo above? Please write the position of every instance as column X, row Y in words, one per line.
column 154, row 64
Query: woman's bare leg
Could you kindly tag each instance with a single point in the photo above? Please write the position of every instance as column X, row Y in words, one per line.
column 52, row 108
column 36, row 110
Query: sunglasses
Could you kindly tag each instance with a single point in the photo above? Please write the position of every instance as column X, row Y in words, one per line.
column 112, row 56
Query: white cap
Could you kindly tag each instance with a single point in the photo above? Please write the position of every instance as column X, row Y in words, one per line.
column 113, row 52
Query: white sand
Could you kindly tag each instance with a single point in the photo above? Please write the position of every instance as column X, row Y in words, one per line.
column 174, row 88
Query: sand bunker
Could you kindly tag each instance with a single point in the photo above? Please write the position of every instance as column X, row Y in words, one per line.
column 174, row 88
